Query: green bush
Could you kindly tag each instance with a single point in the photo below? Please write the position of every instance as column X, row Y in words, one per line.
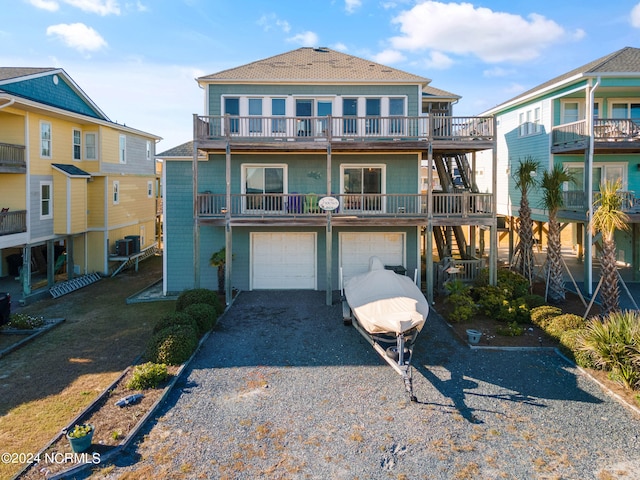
column 514, row 311
column 613, row 345
column 173, row 345
column 556, row 326
column 175, row 318
column 569, row 344
column 510, row 330
column 513, row 283
column 205, row 316
column 540, row 316
column 22, row 321
column 490, row 299
column 462, row 307
column 199, row 295
column 147, row 375
column 533, row 300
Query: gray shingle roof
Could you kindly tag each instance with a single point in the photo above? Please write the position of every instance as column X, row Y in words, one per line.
column 70, row 170
column 184, row 150
column 625, row 60
column 317, row 65
column 7, row 73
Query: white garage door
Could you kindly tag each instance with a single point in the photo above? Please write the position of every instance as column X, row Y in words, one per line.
column 283, row 261
column 357, row 248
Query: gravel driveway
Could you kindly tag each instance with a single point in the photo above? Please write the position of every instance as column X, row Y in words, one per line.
column 281, row 389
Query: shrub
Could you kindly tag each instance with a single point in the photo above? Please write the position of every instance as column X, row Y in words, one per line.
column 510, row 330
column 205, row 316
column 556, row 326
column 490, row 299
column 513, row 283
column 540, row 316
column 148, row 375
column 533, row 300
column 463, row 307
column 175, row 318
column 569, row 344
column 199, row 295
column 22, row 321
column 612, row 345
column 173, row 345
column 514, row 311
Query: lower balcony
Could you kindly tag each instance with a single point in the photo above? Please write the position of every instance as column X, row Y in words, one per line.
column 462, row 205
column 12, row 222
column 12, row 158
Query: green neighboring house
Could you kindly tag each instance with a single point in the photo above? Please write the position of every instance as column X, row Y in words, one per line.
column 312, row 164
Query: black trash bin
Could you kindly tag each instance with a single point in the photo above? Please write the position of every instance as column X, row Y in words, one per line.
column 14, row 262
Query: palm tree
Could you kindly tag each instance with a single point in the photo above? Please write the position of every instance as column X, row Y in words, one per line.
column 524, row 260
column 218, row 259
column 607, row 218
column 552, row 200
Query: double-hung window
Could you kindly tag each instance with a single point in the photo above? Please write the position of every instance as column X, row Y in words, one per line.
column 91, row 146
column 45, row 139
column 77, row 144
column 116, row 192
column 363, row 187
column 46, row 200
column 264, row 186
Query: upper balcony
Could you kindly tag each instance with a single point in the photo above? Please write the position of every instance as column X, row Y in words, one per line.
column 344, row 133
column 12, row 158
column 12, row 221
column 295, row 208
column 613, row 135
column 576, row 206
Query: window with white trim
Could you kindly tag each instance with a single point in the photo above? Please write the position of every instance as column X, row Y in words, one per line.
column 278, row 109
column 91, row 146
column 45, row 139
column 264, row 186
column 148, row 150
column 255, row 110
column 46, row 200
column 77, row 144
column 122, row 148
column 362, row 186
column 149, row 189
column 116, row 192
column 530, row 122
column 601, row 171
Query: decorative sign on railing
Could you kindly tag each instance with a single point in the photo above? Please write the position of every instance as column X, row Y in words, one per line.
column 329, row 203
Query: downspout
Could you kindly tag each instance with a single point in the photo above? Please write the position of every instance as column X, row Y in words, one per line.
column 588, row 187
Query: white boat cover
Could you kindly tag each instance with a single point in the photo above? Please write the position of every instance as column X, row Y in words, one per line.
column 384, row 302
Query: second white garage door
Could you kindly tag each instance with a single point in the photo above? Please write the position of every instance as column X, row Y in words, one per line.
column 283, row 260
column 357, row 247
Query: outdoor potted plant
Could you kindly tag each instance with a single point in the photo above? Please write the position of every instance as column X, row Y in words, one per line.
column 80, row 437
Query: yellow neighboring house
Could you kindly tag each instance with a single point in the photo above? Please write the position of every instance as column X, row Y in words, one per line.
column 77, row 191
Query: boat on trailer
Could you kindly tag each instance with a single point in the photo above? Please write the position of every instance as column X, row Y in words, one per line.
column 389, row 311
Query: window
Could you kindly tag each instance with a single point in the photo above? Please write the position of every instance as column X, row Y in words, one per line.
column 601, row 171
column 90, row 146
column 278, row 109
column 325, row 108
column 255, row 110
column 148, row 150
column 46, row 207
column 45, row 139
column 122, row 149
column 362, row 186
column 150, row 189
column 116, row 192
column 259, row 182
column 77, row 144
column 350, row 109
column 372, row 109
column 530, row 122
column 232, row 108
column 396, row 109
column 304, row 108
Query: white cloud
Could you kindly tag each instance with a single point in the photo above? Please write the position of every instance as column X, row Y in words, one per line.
column 461, row 28
column 635, row 16
column 267, row 22
column 352, row 5
column 305, row 39
column 438, row 61
column 514, row 89
column 497, row 72
column 341, row 47
column 388, row 57
column 49, row 5
column 101, row 7
column 78, row 36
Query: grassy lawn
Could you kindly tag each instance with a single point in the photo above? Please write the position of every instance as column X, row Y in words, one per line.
column 46, row 383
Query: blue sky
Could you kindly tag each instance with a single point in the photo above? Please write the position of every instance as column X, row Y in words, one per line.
column 137, row 59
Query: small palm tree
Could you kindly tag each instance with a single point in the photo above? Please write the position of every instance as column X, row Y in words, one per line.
column 607, row 218
column 552, row 200
column 524, row 250
column 218, row 259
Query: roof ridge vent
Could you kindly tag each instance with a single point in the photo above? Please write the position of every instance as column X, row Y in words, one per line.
column 321, row 49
